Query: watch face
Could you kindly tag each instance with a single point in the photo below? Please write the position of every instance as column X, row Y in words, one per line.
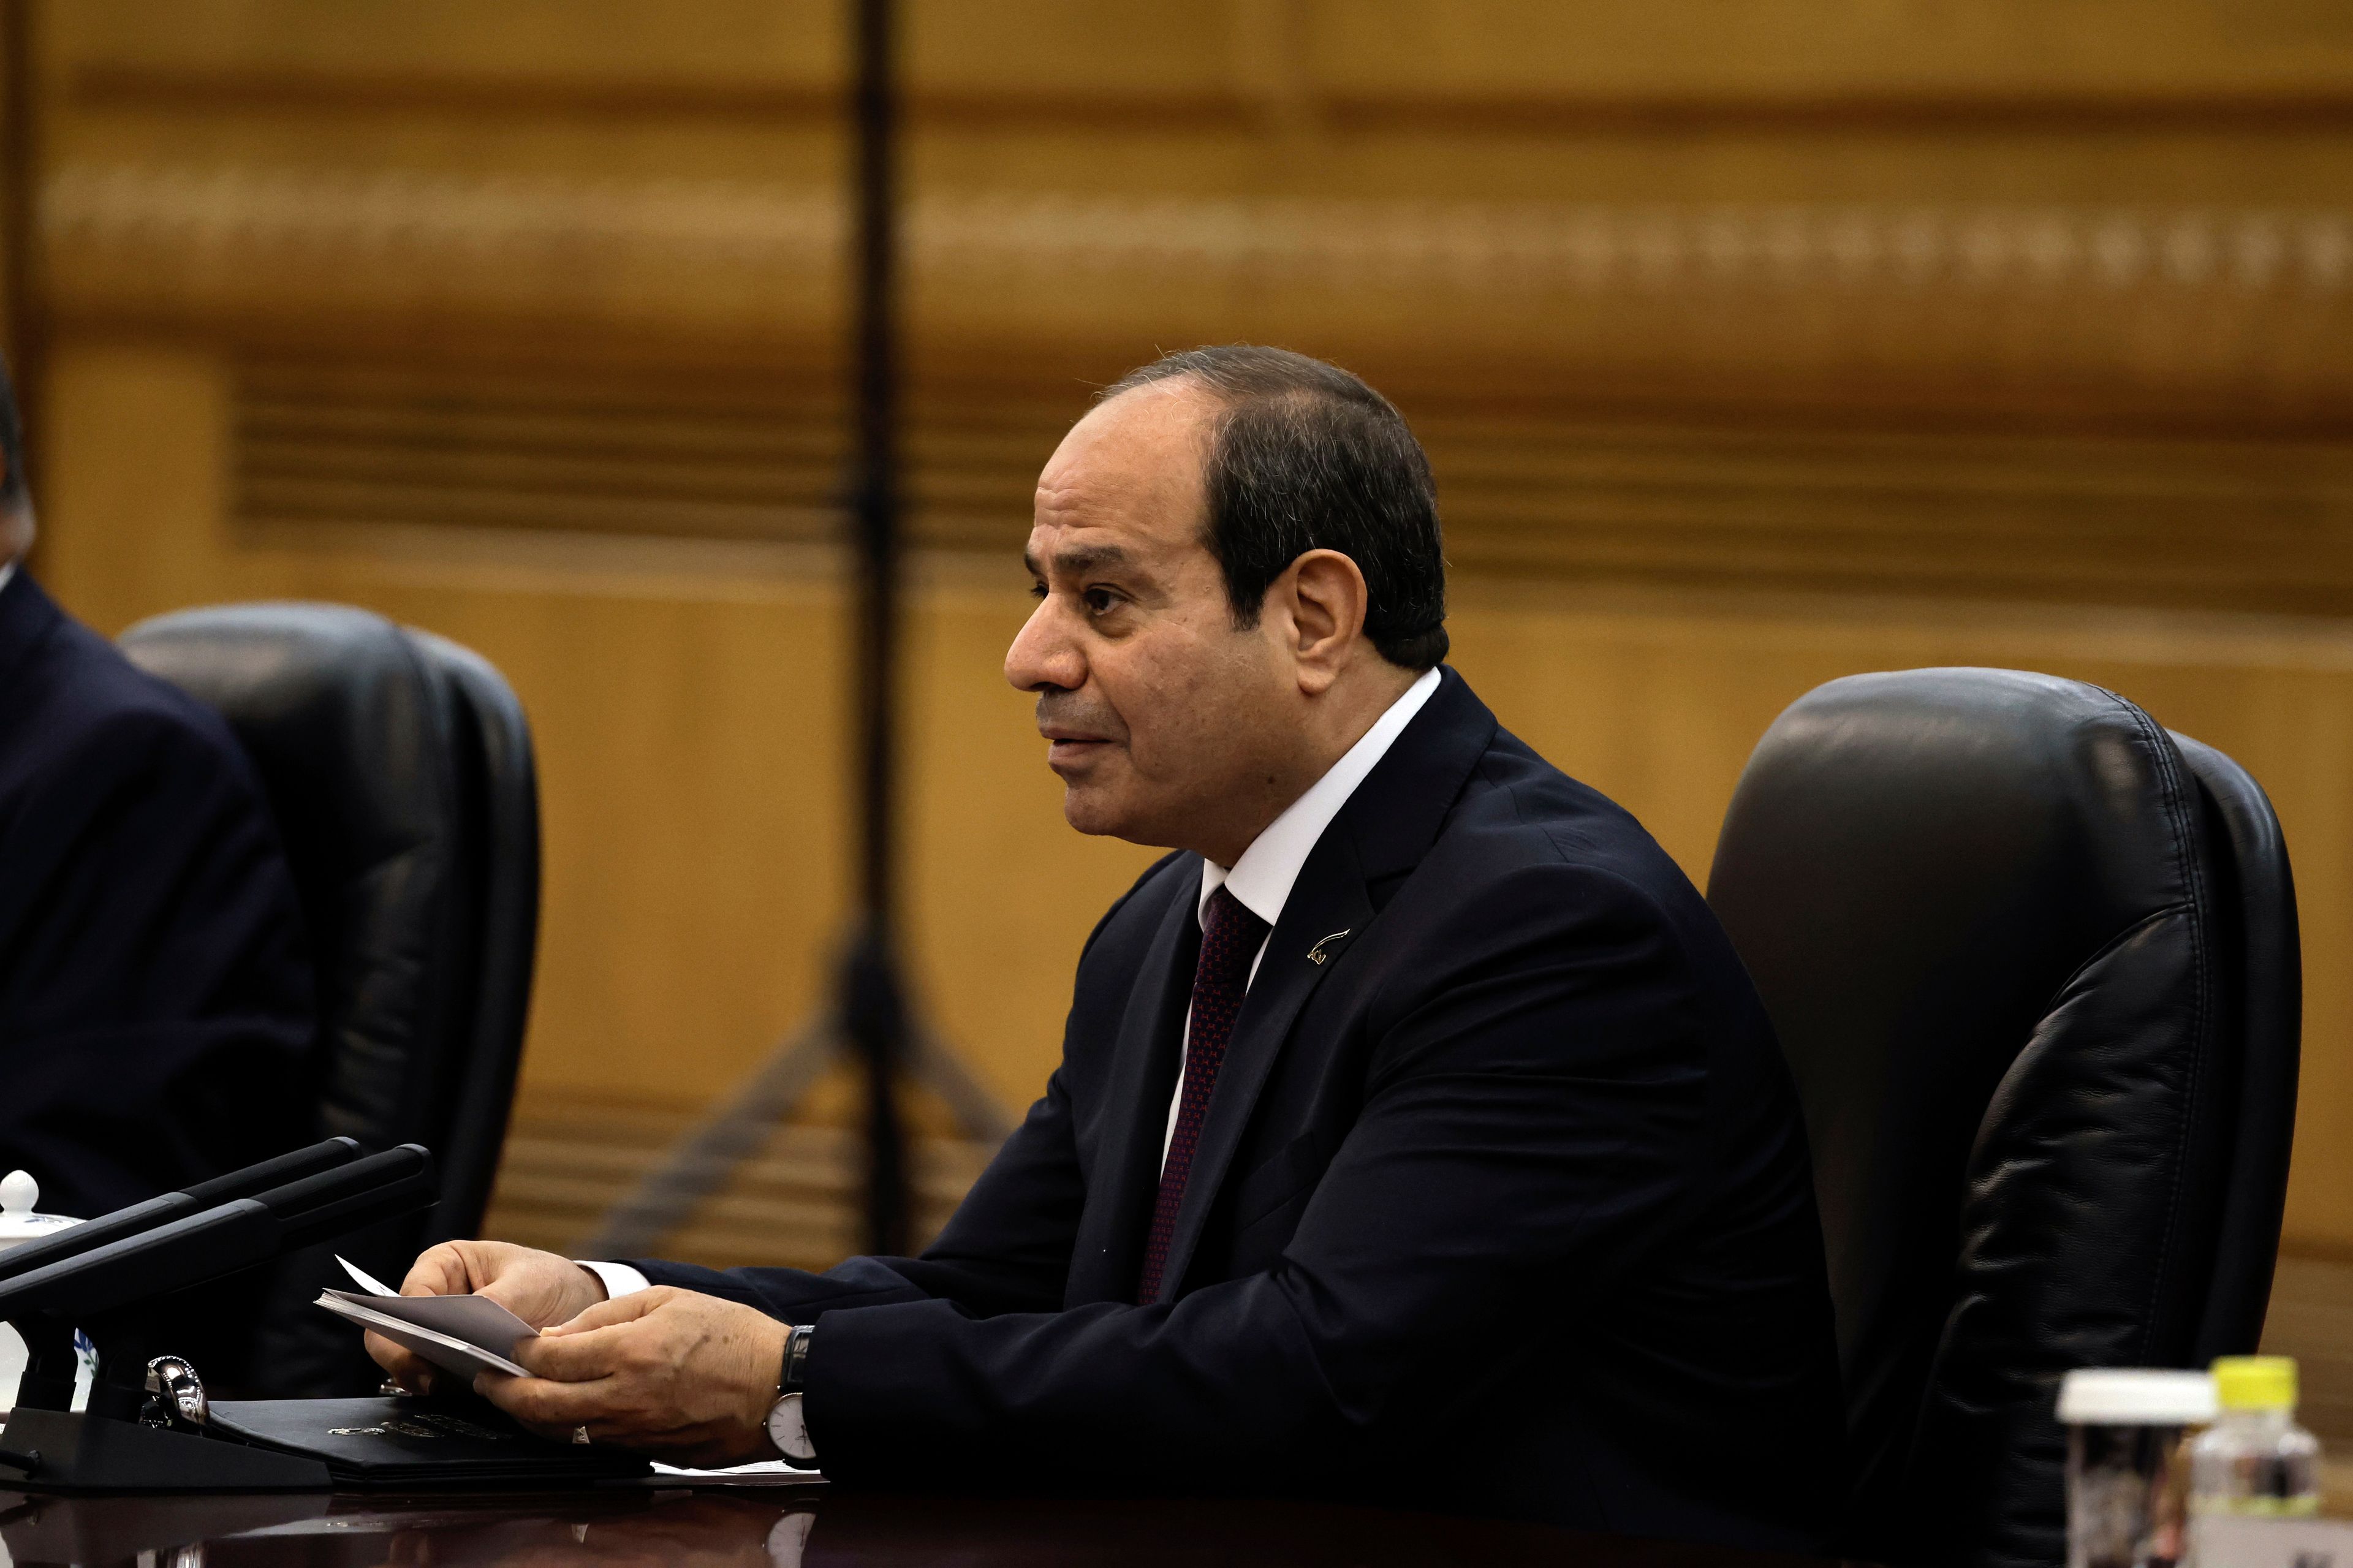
column 788, row 1432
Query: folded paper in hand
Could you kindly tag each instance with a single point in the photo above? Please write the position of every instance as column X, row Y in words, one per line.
column 464, row 1334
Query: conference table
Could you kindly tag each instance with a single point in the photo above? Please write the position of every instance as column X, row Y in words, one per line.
column 753, row 1529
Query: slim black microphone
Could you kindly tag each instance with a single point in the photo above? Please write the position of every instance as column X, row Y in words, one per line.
column 165, row 1257
column 277, row 1172
column 163, row 1209
column 333, row 1202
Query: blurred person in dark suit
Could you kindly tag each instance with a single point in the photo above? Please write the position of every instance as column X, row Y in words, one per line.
column 1417, row 1133
column 156, row 1017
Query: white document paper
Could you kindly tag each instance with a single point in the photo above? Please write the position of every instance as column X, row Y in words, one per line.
column 363, row 1280
column 463, row 1334
column 763, row 1473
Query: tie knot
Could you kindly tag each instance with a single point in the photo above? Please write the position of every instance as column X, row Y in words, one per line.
column 1228, row 916
column 1230, row 936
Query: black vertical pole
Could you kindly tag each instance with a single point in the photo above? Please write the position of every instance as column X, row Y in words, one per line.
column 874, row 1010
column 20, row 178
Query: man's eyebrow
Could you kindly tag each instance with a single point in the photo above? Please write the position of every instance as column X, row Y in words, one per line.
column 1082, row 559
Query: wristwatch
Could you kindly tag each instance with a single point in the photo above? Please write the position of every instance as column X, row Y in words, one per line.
column 787, row 1428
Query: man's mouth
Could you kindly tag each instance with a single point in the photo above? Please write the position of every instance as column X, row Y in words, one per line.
column 1069, row 746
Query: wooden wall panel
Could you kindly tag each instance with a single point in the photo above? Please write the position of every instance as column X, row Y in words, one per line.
column 708, row 42
column 1755, row 343
column 1906, row 58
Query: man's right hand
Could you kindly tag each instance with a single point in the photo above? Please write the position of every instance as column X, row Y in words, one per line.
column 540, row 1288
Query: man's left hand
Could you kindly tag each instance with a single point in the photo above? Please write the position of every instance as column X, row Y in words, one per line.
column 675, row 1373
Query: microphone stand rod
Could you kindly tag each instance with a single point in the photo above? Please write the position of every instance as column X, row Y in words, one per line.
column 874, row 1011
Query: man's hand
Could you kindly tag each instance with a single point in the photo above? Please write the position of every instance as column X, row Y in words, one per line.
column 537, row 1287
column 672, row 1372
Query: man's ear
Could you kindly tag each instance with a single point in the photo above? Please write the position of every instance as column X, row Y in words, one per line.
column 1327, row 598
column 16, row 532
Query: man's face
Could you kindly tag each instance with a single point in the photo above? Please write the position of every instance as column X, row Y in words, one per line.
column 1165, row 723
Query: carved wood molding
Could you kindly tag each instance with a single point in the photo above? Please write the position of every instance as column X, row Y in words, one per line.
column 118, row 86
column 115, row 87
column 2244, row 317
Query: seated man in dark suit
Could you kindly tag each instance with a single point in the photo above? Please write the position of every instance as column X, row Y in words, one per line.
column 156, row 1021
column 1418, row 1134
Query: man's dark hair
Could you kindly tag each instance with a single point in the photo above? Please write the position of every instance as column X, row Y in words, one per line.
column 1304, row 456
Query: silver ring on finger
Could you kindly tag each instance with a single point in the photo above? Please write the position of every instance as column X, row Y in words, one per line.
column 580, row 1435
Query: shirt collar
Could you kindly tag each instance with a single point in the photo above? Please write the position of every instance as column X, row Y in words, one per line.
column 1262, row 877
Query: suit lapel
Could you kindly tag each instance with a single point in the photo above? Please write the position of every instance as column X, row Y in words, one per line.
column 1108, row 1254
column 1380, row 835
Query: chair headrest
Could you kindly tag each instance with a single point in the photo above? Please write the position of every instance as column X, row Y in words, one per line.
column 352, row 734
column 333, row 702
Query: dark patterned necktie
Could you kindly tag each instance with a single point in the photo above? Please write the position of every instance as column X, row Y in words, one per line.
column 1230, row 936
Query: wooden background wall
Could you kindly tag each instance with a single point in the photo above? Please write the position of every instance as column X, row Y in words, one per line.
column 1755, row 342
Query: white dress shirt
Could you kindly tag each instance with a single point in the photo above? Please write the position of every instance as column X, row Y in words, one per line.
column 619, row 1278
column 7, row 570
column 1261, row 880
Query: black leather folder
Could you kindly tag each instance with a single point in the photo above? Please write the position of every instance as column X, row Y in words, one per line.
column 389, row 1443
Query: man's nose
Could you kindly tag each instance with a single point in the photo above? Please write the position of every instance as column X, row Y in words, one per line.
column 1043, row 655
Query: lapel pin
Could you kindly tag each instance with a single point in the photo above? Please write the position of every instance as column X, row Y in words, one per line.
column 1316, row 954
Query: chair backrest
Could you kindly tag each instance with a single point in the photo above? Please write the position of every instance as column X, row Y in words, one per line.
column 2255, row 899
column 399, row 768
column 2033, row 968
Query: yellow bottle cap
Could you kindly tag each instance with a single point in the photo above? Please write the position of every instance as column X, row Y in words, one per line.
column 2256, row 1381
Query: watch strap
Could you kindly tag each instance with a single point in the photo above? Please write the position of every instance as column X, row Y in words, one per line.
column 796, row 1342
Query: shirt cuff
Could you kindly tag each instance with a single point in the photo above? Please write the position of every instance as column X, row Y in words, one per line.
column 619, row 1278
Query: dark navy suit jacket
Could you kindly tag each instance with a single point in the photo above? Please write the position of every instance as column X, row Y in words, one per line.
column 1503, row 1208
column 156, row 1017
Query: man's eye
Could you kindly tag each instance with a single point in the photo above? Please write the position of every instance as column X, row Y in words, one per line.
column 1037, row 590
column 1100, row 601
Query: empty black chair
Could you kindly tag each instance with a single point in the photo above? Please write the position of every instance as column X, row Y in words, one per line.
column 399, row 768
column 2033, row 961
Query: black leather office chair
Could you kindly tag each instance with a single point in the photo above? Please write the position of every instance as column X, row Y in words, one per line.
column 2033, row 961
column 399, row 768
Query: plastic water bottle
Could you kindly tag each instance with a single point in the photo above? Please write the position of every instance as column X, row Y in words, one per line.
column 2127, row 1463
column 2255, row 1459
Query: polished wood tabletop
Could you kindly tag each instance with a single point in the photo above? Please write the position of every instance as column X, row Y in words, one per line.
column 715, row 1530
